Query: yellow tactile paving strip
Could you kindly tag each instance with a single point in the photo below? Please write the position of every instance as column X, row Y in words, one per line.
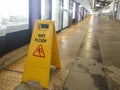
column 11, row 76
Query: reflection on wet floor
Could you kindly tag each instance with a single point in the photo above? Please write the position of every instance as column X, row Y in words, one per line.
column 87, row 71
column 108, row 33
column 90, row 47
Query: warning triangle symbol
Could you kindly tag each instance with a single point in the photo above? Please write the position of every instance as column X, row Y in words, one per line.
column 39, row 52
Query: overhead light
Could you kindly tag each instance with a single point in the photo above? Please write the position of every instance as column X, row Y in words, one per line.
column 80, row 6
column 97, row 5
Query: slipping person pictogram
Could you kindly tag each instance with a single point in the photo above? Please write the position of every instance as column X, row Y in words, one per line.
column 39, row 52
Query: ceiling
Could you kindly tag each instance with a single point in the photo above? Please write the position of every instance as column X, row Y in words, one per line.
column 91, row 5
column 85, row 3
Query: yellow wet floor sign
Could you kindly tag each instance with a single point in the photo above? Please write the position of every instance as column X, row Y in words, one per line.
column 43, row 52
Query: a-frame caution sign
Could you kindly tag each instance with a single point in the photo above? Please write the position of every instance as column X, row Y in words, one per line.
column 43, row 52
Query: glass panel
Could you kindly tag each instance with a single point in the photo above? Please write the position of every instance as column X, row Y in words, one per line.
column 66, row 4
column 84, row 13
column 56, row 13
column 79, row 14
column 70, row 12
column 65, row 19
column 66, row 13
column 14, row 14
column 45, row 9
column 74, row 5
column 118, row 12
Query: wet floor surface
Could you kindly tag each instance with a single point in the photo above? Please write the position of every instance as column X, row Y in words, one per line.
column 97, row 64
column 109, row 41
column 87, row 72
column 90, row 58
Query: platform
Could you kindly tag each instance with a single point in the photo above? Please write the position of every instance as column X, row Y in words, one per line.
column 90, row 57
